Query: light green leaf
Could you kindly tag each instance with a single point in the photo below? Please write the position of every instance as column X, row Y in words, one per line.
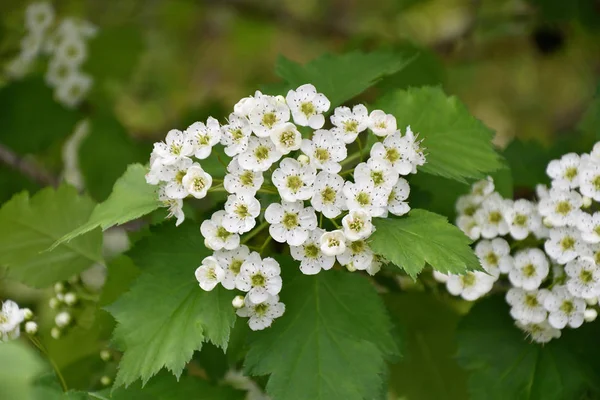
column 166, row 316
column 503, row 364
column 342, row 76
column 130, row 199
column 423, row 237
column 458, row 145
column 28, row 226
column 19, row 367
column 331, row 343
column 428, row 369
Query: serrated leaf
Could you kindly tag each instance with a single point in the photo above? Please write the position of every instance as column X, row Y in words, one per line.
column 165, row 316
column 503, row 364
column 458, row 145
column 342, row 76
column 428, row 369
column 131, row 198
column 28, row 226
column 331, row 343
column 19, row 367
column 423, row 237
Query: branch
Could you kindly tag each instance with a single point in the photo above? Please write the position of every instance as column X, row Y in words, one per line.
column 27, row 167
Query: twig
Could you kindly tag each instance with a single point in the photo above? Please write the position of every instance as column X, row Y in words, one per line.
column 27, row 167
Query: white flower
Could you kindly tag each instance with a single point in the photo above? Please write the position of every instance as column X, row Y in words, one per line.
column 382, row 124
column 290, row 222
column 267, row 112
column 307, row 106
column 469, row 226
column 394, row 151
column 364, row 197
column 413, row 150
column 72, row 91
column 11, row 318
column 328, row 197
column 39, row 16
column 494, row 256
column 470, row 286
column 262, row 314
column 377, row 172
column 527, row 306
column 259, row 278
column 286, row 138
column 565, row 172
column 563, row 245
column 259, row 155
column 293, row 180
column 490, row 217
column 31, row 327
column 174, row 174
column 357, row 225
column 564, row 309
column 209, row 274
column 72, row 50
column 480, row 190
column 522, row 218
column 396, row 203
column 325, row 151
column 240, row 180
column 333, row 243
column 31, row 45
column 235, row 134
column 238, row 301
column 541, row 333
column 173, row 149
column 18, row 67
column 231, row 261
column 561, row 206
column 202, row 137
column 62, row 319
column 197, row 182
column 175, row 206
column 584, row 278
column 589, row 225
column 58, row 72
column 241, row 212
column 216, row 237
column 311, row 257
column 468, row 204
column 349, row 123
column 531, row 267
column 357, row 256
column 589, row 181
column 245, row 105
column 375, row 266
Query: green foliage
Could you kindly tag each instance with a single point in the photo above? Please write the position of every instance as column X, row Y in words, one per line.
column 423, row 237
column 130, row 199
column 19, row 367
column 28, row 226
column 165, row 316
column 342, row 77
column 13, row 182
column 458, row 145
column 105, row 154
column 428, row 369
column 31, row 120
column 503, row 365
column 331, row 342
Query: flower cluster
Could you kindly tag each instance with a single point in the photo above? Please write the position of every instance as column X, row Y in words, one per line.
column 279, row 147
column 11, row 318
column 66, row 45
column 554, row 266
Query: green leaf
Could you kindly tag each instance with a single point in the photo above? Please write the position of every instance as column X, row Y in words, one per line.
column 31, row 120
column 130, row 199
column 423, row 237
column 458, row 145
column 503, row 364
column 28, row 226
column 428, row 369
column 107, row 140
column 331, row 343
column 342, row 76
column 19, row 367
column 165, row 316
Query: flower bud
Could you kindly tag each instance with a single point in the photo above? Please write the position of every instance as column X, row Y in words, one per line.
column 53, row 303
column 55, row 332
column 586, row 202
column 590, row 314
column 547, row 222
column 27, row 313
column 592, row 301
column 60, row 297
column 31, row 327
column 350, row 267
column 70, row 298
column 105, row 380
column 105, row 355
column 303, row 159
column 238, row 302
column 59, row 287
column 62, row 319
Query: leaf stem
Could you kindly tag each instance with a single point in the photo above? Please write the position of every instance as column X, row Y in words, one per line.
column 255, row 232
column 41, row 347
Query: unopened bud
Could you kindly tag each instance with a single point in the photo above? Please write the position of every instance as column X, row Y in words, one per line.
column 27, row 313
column 105, row 380
column 60, row 297
column 62, row 319
column 55, row 332
column 53, row 303
column 59, row 287
column 303, row 159
column 586, row 202
column 105, row 355
column 31, row 327
column 592, row 301
column 590, row 314
column 547, row 222
column 238, row 302
column 70, row 298
column 350, row 267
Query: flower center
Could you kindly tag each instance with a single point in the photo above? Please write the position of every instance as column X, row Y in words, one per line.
column 261, row 153
column 567, row 307
column 531, row 301
column 567, row 243
column 596, row 182
column 199, row 184
column 179, row 176
column 269, row 119
column 377, row 177
column 470, row 210
column 203, row 140
column 570, row 173
column 261, row 309
column 257, row 280
column 294, row 183
column 563, row 207
column 363, row 199
column 3, row 318
column 222, row 233
column 175, row 149
column 351, row 126
column 357, row 247
column 290, row 220
column 392, row 155
column 491, row 258
column 242, row 211
column 586, row 276
column 247, row 178
column 356, row 225
column 307, row 108
column 235, row 266
column 311, row 251
column 333, row 242
column 381, row 125
column 288, row 138
column 212, row 275
column 468, row 279
column 237, row 135
column 520, row 220
column 321, row 154
column 328, row 195
column 495, row 217
column 529, row 270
